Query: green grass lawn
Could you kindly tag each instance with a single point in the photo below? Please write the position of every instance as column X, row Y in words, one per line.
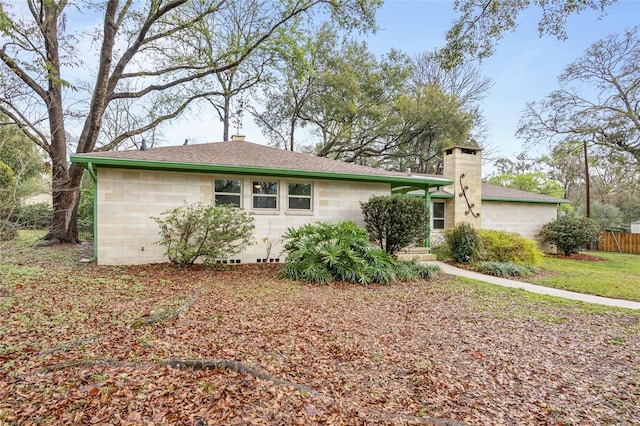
column 618, row 276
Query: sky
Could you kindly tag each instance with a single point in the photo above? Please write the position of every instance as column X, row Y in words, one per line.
column 524, row 67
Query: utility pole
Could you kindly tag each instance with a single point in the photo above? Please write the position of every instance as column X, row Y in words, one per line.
column 586, row 178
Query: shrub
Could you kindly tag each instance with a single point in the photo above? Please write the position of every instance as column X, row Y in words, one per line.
column 396, row 221
column 502, row 246
column 441, row 251
column 34, row 216
column 8, row 231
column 570, row 233
column 409, row 270
column 207, row 231
column 505, row 269
column 85, row 212
column 324, row 252
column 7, row 191
column 463, row 243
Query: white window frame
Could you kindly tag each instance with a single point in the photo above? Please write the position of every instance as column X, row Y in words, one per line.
column 256, row 185
column 309, row 197
column 235, row 194
column 434, row 218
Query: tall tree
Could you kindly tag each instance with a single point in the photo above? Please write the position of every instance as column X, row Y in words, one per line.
column 606, row 115
column 225, row 33
column 351, row 112
column 481, row 23
column 301, row 59
column 565, row 164
column 361, row 108
column 142, row 57
column 614, row 178
column 463, row 82
column 428, row 120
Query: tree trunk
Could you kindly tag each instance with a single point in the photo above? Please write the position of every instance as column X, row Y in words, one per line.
column 66, row 197
column 227, row 118
column 65, row 186
column 292, row 134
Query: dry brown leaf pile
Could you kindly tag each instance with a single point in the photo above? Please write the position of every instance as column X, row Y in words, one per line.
column 398, row 354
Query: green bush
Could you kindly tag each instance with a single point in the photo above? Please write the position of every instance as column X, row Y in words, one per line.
column 34, row 216
column 570, row 233
column 409, row 270
column 8, row 231
column 206, row 231
column 396, row 221
column 502, row 246
column 85, row 212
column 463, row 243
column 324, row 252
column 504, row 269
column 7, row 191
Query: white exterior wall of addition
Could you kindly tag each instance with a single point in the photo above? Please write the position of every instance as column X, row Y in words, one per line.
column 127, row 199
column 525, row 219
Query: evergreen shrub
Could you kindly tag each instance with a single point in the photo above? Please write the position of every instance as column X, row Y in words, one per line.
column 204, row 231
column 395, row 221
column 570, row 233
column 509, row 247
column 463, row 243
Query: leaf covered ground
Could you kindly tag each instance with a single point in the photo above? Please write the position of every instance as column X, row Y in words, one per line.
column 440, row 351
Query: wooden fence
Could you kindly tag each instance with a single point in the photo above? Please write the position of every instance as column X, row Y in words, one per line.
column 624, row 242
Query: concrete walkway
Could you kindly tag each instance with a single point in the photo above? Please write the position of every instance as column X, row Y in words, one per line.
column 452, row 270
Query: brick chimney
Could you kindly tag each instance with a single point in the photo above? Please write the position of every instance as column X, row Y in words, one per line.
column 463, row 165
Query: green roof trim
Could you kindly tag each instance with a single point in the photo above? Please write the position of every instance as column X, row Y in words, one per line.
column 414, row 181
column 524, row 200
column 441, row 195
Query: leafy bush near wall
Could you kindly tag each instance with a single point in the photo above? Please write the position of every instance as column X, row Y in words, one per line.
column 322, row 252
column 504, row 269
column 570, row 233
column 463, row 243
column 85, row 213
column 395, row 221
column 509, row 247
column 204, row 231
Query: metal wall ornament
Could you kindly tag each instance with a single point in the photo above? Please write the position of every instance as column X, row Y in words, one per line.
column 470, row 205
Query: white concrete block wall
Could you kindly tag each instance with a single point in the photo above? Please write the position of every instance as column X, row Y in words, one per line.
column 127, row 200
column 525, row 219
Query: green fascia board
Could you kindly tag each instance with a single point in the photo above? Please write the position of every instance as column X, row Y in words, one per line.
column 258, row 171
column 442, row 196
column 523, row 200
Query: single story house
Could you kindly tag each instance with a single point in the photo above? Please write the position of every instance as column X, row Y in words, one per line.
column 281, row 189
column 635, row 227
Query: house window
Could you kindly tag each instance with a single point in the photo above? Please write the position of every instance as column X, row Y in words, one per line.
column 265, row 195
column 299, row 196
column 228, row 191
column 437, row 215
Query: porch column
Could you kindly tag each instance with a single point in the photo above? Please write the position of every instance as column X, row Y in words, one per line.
column 427, row 199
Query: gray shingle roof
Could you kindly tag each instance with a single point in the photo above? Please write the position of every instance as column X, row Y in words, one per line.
column 242, row 154
column 500, row 192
